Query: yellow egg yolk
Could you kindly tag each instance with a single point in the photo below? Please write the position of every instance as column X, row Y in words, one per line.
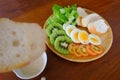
column 94, row 40
column 69, row 31
column 83, row 36
column 76, row 36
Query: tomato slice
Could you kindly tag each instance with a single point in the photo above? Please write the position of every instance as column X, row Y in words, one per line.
column 82, row 49
column 94, row 50
column 70, row 47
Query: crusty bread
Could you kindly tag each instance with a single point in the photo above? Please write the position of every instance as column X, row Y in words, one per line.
column 20, row 43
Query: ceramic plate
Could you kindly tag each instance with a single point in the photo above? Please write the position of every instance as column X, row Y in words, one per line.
column 33, row 69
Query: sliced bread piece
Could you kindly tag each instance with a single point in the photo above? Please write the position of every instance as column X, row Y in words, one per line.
column 20, row 43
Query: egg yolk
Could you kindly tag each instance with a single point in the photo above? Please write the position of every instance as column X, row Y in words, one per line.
column 70, row 30
column 94, row 40
column 76, row 36
column 83, row 36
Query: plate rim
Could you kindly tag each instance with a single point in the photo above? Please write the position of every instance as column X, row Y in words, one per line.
column 44, row 58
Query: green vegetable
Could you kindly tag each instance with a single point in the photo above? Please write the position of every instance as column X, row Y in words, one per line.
column 56, row 11
column 63, row 15
column 52, row 19
column 62, row 11
column 74, row 7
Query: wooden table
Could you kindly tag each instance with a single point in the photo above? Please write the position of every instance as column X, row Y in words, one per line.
column 105, row 68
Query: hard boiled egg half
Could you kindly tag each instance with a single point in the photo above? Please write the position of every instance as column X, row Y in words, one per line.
column 83, row 37
column 79, row 36
column 74, row 35
column 69, row 29
column 94, row 39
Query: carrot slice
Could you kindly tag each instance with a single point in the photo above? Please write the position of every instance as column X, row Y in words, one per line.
column 94, row 50
column 97, row 49
column 82, row 49
column 76, row 52
column 70, row 48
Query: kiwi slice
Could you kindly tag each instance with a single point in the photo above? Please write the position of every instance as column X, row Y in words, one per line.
column 52, row 27
column 56, row 34
column 52, row 19
column 49, row 21
column 61, row 44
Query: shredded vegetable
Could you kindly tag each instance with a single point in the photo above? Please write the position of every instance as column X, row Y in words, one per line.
column 63, row 15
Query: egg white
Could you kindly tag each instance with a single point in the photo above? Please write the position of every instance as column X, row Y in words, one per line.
column 65, row 25
column 74, row 35
column 69, row 29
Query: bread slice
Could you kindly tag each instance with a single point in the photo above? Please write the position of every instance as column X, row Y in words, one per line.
column 36, row 38
column 20, row 43
column 90, row 18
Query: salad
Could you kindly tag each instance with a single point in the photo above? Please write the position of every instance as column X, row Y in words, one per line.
column 72, row 31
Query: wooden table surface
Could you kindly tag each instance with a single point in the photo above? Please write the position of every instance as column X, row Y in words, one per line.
column 105, row 68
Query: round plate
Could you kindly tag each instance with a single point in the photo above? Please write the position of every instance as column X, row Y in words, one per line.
column 107, row 39
column 33, row 69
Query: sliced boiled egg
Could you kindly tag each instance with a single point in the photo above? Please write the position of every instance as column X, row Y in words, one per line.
column 65, row 25
column 94, row 39
column 69, row 29
column 74, row 35
column 83, row 37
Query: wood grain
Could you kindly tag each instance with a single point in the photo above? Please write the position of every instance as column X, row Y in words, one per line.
column 105, row 68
